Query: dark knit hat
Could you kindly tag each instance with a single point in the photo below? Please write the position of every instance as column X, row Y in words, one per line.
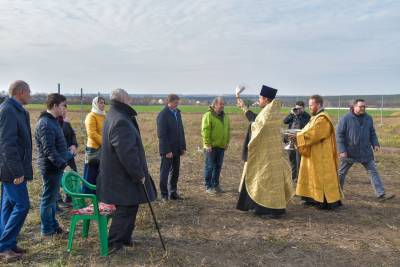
column 268, row 92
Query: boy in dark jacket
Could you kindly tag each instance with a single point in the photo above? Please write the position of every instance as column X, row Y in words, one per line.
column 15, row 168
column 356, row 141
column 53, row 156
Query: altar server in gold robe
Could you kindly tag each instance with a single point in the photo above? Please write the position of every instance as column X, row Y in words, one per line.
column 318, row 182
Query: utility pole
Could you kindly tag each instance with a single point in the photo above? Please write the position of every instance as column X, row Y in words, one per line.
column 81, row 122
column 59, row 88
column 382, row 111
column 338, row 112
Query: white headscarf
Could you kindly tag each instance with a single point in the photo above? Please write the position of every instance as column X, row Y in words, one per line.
column 95, row 107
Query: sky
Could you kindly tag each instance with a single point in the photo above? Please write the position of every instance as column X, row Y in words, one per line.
column 202, row 47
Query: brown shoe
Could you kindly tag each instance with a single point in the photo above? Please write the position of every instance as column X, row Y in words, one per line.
column 9, row 256
column 19, row 250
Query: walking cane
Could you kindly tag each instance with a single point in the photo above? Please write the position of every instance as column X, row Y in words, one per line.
column 154, row 217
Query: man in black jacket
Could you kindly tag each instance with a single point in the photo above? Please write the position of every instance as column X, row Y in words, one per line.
column 123, row 169
column 72, row 144
column 70, row 138
column 296, row 119
column 15, row 168
column 53, row 156
column 172, row 146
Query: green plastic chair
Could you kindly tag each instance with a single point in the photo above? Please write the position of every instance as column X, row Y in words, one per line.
column 72, row 184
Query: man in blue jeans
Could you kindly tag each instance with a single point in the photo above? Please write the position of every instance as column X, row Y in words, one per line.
column 215, row 131
column 15, row 168
column 356, row 139
column 53, row 156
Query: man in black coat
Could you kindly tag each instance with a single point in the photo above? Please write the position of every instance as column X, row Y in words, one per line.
column 72, row 144
column 15, row 168
column 70, row 138
column 172, row 146
column 123, row 169
column 251, row 117
column 296, row 119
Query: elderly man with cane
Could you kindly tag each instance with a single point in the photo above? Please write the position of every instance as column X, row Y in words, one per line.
column 124, row 179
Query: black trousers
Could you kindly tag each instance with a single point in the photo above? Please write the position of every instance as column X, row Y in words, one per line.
column 122, row 225
column 294, row 158
column 324, row 206
column 72, row 165
column 169, row 174
column 245, row 203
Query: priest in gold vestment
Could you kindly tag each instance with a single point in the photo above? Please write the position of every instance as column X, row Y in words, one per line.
column 318, row 182
column 266, row 184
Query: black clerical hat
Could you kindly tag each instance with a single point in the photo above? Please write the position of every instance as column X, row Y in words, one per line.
column 268, row 92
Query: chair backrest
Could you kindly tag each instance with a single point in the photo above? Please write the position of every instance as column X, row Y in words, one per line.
column 72, row 183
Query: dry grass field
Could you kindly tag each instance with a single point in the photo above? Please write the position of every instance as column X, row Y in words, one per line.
column 206, row 230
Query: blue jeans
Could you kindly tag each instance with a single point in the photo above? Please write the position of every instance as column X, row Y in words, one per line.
column 370, row 166
column 14, row 209
column 213, row 166
column 51, row 187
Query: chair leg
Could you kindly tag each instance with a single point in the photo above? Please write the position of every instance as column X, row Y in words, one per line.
column 103, row 235
column 74, row 220
column 85, row 228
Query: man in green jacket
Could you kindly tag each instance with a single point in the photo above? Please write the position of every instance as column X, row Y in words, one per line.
column 215, row 130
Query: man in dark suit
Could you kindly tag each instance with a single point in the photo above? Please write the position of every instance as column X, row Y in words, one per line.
column 172, row 145
column 123, row 170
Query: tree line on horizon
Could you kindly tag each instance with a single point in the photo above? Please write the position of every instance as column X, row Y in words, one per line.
column 389, row 101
